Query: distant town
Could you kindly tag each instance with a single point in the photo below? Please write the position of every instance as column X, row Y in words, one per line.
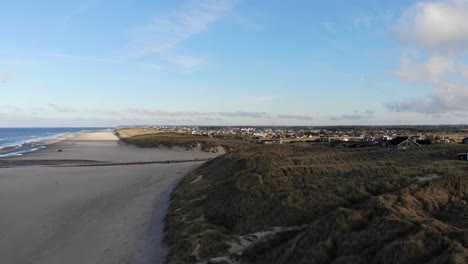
column 345, row 136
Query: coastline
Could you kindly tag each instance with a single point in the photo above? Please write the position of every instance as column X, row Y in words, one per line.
column 24, row 148
column 54, row 213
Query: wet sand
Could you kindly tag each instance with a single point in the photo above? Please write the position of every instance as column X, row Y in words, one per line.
column 88, row 214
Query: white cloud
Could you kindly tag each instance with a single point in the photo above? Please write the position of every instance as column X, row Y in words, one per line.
column 141, row 112
column 437, row 66
column 439, row 102
column 13, row 108
column 60, row 109
column 244, row 114
column 368, row 114
column 205, row 115
column 164, row 32
column 295, row 117
column 438, row 72
column 433, row 70
column 439, row 26
column 408, row 70
column 5, row 77
column 155, row 112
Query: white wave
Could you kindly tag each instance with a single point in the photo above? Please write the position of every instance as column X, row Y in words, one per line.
column 21, row 152
column 42, row 139
column 35, row 139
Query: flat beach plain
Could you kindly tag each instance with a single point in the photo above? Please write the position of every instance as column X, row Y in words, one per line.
column 56, row 208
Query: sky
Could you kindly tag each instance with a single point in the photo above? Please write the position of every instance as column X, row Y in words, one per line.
column 233, row 62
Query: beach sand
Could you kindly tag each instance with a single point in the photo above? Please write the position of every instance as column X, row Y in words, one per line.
column 73, row 214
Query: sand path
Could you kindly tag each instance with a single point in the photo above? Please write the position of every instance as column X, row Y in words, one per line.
column 108, row 214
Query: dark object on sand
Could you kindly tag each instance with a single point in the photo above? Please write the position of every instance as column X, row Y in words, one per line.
column 59, row 150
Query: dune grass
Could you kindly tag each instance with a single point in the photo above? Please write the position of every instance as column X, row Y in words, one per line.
column 340, row 205
column 149, row 138
column 301, row 203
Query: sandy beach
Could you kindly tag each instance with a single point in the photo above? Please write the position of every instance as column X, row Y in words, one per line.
column 58, row 208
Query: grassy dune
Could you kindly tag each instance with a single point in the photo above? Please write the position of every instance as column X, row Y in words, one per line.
column 313, row 204
column 150, row 138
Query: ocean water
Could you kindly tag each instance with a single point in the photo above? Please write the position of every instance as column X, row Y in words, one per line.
column 19, row 140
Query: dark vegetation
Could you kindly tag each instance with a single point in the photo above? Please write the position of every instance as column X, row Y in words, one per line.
column 301, row 203
column 188, row 141
column 317, row 204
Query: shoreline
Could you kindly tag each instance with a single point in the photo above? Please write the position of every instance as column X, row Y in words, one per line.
column 34, row 146
column 58, row 209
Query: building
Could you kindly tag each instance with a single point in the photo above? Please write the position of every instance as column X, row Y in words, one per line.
column 402, row 143
column 462, row 156
column 270, row 141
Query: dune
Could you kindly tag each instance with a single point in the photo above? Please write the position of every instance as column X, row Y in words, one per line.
column 53, row 213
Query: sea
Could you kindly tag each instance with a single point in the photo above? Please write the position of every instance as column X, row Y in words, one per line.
column 19, row 141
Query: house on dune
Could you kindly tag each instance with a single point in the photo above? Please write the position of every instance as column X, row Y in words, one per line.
column 402, row 143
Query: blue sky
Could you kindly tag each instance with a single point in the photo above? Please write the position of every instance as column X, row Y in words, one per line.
column 233, row 62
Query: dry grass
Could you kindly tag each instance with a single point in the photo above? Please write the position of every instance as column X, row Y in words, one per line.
column 358, row 206
column 149, row 138
column 131, row 132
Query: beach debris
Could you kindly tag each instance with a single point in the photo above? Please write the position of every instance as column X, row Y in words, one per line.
column 428, row 178
column 60, row 150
